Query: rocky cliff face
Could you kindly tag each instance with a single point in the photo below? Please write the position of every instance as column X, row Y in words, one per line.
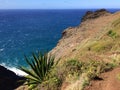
column 77, row 41
column 96, row 38
column 8, row 79
column 96, row 14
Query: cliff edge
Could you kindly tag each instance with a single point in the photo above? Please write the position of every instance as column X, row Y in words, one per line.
column 96, row 38
column 82, row 39
column 89, row 55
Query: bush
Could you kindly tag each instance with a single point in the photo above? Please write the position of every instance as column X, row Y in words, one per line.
column 95, row 68
column 112, row 34
column 53, row 81
column 73, row 66
column 40, row 65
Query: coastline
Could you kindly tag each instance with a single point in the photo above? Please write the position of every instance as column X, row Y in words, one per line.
column 17, row 71
column 70, row 33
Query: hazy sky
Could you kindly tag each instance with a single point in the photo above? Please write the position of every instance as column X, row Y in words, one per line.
column 58, row 4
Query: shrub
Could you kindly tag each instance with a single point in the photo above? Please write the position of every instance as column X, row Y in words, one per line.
column 40, row 65
column 112, row 34
column 73, row 67
column 53, row 81
column 95, row 68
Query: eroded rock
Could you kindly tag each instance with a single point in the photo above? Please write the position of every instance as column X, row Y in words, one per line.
column 92, row 15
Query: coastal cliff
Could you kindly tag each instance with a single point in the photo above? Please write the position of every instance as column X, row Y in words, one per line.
column 96, row 38
column 82, row 39
column 93, row 49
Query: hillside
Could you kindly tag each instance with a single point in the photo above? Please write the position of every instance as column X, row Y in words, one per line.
column 96, row 38
column 91, row 39
column 89, row 55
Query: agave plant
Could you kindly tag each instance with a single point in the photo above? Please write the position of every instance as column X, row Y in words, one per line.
column 40, row 65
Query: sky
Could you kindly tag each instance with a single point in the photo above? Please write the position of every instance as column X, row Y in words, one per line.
column 58, row 4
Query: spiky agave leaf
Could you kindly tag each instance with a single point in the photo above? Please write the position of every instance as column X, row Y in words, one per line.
column 33, row 66
column 40, row 66
column 37, row 65
column 28, row 72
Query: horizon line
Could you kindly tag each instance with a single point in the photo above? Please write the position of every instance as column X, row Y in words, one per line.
column 51, row 8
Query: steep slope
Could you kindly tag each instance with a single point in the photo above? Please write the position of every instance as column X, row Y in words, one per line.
column 92, row 39
column 85, row 52
column 96, row 38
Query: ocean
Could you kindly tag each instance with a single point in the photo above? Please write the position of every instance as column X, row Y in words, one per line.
column 25, row 31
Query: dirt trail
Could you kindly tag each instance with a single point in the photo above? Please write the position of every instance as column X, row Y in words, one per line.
column 111, row 81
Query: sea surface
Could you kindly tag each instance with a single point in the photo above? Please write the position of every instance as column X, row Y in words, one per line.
column 25, row 31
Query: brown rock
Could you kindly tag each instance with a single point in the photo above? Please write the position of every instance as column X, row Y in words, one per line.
column 92, row 15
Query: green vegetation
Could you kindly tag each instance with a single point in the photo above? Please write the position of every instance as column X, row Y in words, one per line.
column 73, row 66
column 72, row 70
column 109, row 42
column 40, row 66
column 84, row 72
column 95, row 68
column 53, row 80
column 92, row 68
column 112, row 34
column 45, row 74
column 101, row 46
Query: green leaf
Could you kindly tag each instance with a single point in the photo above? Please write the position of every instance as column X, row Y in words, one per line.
column 40, row 65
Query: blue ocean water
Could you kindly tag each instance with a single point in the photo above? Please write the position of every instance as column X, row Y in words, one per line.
column 26, row 31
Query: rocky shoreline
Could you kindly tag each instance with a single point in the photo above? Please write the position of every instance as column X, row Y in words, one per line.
column 9, row 80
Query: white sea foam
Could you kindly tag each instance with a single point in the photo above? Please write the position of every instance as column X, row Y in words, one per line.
column 15, row 70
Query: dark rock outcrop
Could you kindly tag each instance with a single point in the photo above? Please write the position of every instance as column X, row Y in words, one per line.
column 8, row 79
column 66, row 34
column 90, row 15
column 93, row 15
